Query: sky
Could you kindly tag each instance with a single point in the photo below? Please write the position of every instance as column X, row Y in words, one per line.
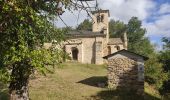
column 154, row 14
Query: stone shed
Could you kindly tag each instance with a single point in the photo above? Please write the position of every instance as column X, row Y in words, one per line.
column 126, row 70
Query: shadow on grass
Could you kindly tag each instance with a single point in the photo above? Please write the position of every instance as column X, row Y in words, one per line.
column 3, row 92
column 96, row 81
column 120, row 95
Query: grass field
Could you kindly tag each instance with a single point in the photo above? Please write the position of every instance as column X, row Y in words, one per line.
column 75, row 81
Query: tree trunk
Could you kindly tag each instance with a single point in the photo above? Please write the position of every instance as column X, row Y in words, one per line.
column 21, row 94
column 18, row 87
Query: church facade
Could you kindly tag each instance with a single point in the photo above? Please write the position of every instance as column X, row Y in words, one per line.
column 91, row 46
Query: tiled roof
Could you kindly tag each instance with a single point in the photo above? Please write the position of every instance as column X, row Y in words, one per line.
column 83, row 33
column 126, row 51
column 115, row 41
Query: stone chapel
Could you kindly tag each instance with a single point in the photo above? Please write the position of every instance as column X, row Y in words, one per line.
column 91, row 46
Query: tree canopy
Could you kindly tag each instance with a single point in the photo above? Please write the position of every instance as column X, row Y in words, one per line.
column 85, row 25
column 24, row 27
column 165, row 59
column 116, row 28
column 137, row 42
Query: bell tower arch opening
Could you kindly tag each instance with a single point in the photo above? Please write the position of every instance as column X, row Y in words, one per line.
column 74, row 53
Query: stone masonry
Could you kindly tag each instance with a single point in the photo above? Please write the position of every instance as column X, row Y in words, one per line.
column 123, row 74
column 92, row 45
column 126, row 71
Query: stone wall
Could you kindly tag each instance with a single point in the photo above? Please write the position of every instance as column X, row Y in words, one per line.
column 114, row 49
column 91, row 49
column 68, row 49
column 87, row 49
column 123, row 74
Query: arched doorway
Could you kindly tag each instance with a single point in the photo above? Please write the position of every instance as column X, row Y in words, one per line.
column 108, row 50
column 117, row 48
column 75, row 53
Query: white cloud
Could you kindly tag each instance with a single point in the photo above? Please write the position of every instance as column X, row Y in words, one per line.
column 125, row 9
column 160, row 27
column 157, row 45
column 119, row 9
column 164, row 8
column 71, row 18
column 143, row 9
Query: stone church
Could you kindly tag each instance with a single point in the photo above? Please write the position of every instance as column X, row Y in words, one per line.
column 91, row 46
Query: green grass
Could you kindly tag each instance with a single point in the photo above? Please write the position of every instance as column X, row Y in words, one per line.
column 75, row 81
column 64, row 83
column 151, row 91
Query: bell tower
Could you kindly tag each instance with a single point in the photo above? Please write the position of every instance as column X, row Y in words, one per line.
column 101, row 21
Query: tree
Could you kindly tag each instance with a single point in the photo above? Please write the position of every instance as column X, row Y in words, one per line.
column 116, row 28
column 165, row 59
column 166, row 43
column 154, row 72
column 24, row 27
column 137, row 42
column 85, row 25
column 165, row 54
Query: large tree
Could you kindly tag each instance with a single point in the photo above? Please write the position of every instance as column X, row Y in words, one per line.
column 85, row 25
column 137, row 42
column 116, row 28
column 165, row 59
column 165, row 53
column 24, row 27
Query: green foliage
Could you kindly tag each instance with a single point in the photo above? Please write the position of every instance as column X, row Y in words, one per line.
column 23, row 30
column 137, row 42
column 154, row 72
column 85, row 25
column 165, row 59
column 167, row 43
column 116, row 28
column 143, row 47
column 165, row 55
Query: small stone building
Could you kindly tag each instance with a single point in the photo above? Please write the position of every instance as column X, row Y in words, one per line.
column 126, row 70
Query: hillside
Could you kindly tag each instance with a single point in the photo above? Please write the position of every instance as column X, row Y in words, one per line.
column 75, row 81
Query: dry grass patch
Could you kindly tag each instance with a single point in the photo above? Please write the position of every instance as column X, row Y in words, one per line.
column 75, row 81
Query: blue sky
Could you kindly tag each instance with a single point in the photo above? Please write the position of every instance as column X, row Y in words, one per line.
column 154, row 14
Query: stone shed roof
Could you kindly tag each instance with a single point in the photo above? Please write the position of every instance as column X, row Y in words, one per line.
column 115, row 41
column 126, row 51
column 83, row 33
